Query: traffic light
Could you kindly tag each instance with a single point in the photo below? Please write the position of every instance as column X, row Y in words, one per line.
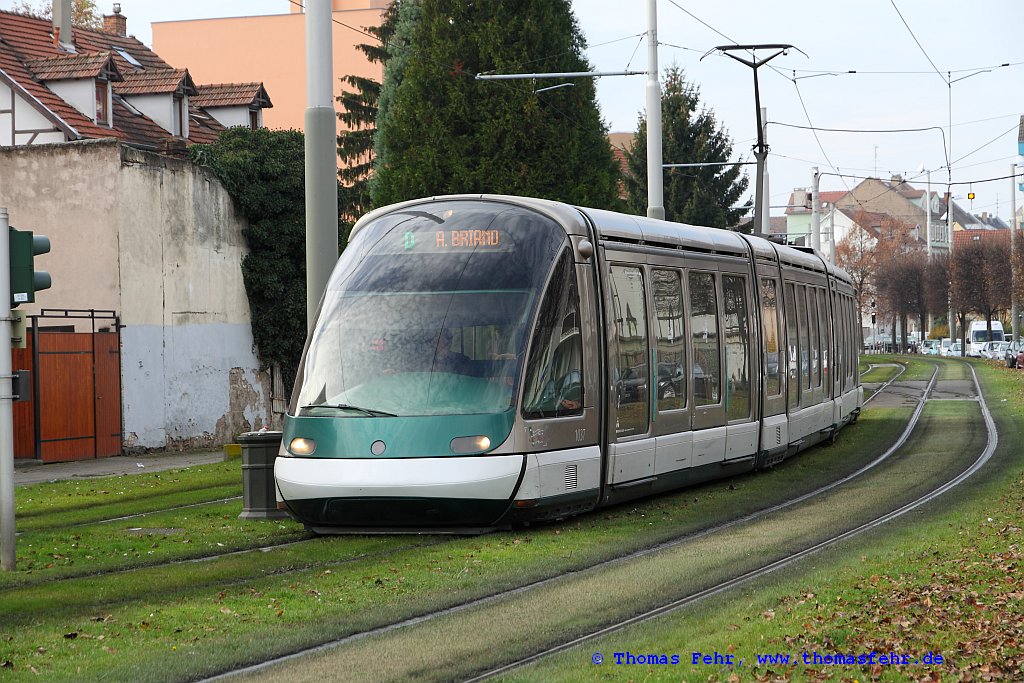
column 25, row 279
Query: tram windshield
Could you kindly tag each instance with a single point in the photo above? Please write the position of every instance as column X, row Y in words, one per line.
column 427, row 313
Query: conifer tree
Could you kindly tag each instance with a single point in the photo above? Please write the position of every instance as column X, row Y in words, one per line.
column 697, row 195
column 440, row 130
column 355, row 146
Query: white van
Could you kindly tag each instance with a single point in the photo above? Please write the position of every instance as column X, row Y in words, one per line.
column 977, row 336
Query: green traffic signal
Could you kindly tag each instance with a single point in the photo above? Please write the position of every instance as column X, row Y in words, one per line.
column 25, row 279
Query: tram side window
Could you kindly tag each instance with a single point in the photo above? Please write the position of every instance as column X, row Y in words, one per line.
column 554, row 381
column 629, row 350
column 770, row 318
column 737, row 348
column 839, row 316
column 801, row 324
column 671, row 341
column 815, row 339
column 855, row 339
column 792, row 348
column 826, row 339
column 704, row 337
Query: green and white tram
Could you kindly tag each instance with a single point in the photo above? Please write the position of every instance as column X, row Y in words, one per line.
column 479, row 361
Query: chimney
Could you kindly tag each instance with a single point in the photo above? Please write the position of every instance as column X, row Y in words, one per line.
column 116, row 23
column 62, row 25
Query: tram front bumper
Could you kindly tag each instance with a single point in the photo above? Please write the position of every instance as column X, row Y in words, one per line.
column 402, row 492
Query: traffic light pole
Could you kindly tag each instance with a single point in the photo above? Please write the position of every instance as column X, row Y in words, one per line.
column 7, row 536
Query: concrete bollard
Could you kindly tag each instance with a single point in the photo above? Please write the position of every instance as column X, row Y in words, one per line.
column 259, row 450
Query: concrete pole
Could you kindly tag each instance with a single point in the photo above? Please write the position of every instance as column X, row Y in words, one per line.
column 815, row 210
column 321, row 156
column 7, row 535
column 928, row 216
column 655, row 173
column 761, row 196
column 832, row 235
column 1014, row 275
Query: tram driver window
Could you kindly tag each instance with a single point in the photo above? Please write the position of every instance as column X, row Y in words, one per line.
column 554, row 383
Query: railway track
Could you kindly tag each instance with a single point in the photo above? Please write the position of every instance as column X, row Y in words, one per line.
column 374, row 638
column 977, row 464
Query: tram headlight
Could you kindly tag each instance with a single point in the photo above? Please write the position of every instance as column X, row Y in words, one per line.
column 302, row 446
column 470, row 444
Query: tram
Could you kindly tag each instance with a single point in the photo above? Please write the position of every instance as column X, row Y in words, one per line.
column 482, row 361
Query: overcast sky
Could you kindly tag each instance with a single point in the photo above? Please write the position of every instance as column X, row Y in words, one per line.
column 903, row 52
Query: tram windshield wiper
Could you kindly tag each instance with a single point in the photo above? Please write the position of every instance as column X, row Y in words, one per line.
column 370, row 412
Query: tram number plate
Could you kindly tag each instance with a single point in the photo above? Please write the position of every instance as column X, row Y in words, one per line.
column 580, row 434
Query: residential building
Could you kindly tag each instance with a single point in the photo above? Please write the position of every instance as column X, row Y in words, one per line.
column 798, row 215
column 94, row 126
column 271, row 49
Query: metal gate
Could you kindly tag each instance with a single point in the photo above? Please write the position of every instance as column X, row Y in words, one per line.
column 75, row 407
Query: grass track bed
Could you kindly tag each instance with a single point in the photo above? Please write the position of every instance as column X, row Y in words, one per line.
column 457, row 644
column 229, row 619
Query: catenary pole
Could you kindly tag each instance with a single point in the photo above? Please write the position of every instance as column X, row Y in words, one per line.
column 1014, row 275
column 815, row 210
column 321, row 155
column 655, row 173
column 7, row 534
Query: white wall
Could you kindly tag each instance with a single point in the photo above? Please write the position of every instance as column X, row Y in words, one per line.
column 80, row 93
column 17, row 114
column 157, row 240
column 232, row 116
column 186, row 316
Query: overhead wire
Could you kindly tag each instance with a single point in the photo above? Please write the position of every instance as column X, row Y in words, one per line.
column 923, row 51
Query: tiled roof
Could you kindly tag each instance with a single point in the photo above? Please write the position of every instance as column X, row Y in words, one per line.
column 202, row 128
column 29, row 57
column 231, row 95
column 962, row 238
column 64, row 117
column 65, row 66
column 155, row 82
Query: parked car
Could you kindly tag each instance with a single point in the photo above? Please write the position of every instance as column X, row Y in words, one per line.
column 929, row 347
column 994, row 350
column 954, row 349
column 1010, row 354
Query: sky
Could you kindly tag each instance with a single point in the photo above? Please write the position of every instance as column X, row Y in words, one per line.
column 921, row 64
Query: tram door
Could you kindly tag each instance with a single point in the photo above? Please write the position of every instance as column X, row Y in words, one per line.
column 632, row 446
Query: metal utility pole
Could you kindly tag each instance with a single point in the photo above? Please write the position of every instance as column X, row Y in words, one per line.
column 815, row 210
column 321, row 156
column 655, row 173
column 761, row 148
column 1013, row 252
column 7, row 535
column 949, row 242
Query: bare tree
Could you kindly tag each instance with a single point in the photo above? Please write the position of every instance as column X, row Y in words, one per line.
column 898, row 275
column 855, row 254
column 84, row 13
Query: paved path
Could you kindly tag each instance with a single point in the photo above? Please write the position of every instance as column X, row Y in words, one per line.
column 33, row 472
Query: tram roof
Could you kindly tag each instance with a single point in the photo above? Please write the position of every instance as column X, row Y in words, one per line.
column 643, row 230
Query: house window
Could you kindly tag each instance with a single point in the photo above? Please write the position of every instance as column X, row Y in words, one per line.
column 102, row 97
column 254, row 119
column 180, row 117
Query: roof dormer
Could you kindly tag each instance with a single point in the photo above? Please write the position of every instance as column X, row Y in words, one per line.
column 234, row 104
column 160, row 94
column 82, row 80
